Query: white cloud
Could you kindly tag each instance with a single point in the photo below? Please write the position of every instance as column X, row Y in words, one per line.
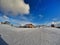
column 1, row 18
column 41, row 16
column 58, row 22
column 21, row 22
column 14, row 6
column 16, row 21
column 26, row 22
column 54, row 19
column 22, row 17
column 30, row 18
column 4, row 18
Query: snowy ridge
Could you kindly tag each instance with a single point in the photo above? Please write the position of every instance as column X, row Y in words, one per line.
column 30, row 36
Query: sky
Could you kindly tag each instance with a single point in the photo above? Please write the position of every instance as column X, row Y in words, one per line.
column 22, row 12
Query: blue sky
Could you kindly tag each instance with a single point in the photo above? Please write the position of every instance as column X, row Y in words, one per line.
column 39, row 12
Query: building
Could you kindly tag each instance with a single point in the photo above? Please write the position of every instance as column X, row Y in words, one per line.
column 55, row 24
column 29, row 26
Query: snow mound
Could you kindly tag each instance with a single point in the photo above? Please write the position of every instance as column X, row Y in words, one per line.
column 32, row 36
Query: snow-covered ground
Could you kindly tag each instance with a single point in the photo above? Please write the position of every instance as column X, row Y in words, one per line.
column 30, row 36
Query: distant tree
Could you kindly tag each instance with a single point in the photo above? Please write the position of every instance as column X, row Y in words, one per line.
column 6, row 22
column 1, row 22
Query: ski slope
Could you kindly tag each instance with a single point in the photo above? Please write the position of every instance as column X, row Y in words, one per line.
column 28, row 36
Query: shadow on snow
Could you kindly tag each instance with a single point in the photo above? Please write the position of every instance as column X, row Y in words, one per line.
column 2, row 42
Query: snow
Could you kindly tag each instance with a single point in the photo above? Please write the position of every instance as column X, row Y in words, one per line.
column 30, row 36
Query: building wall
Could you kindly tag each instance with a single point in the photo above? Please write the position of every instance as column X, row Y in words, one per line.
column 29, row 26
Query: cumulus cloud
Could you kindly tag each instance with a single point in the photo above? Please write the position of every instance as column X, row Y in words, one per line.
column 14, row 6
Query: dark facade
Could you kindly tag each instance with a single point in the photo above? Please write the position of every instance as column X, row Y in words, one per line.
column 52, row 25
